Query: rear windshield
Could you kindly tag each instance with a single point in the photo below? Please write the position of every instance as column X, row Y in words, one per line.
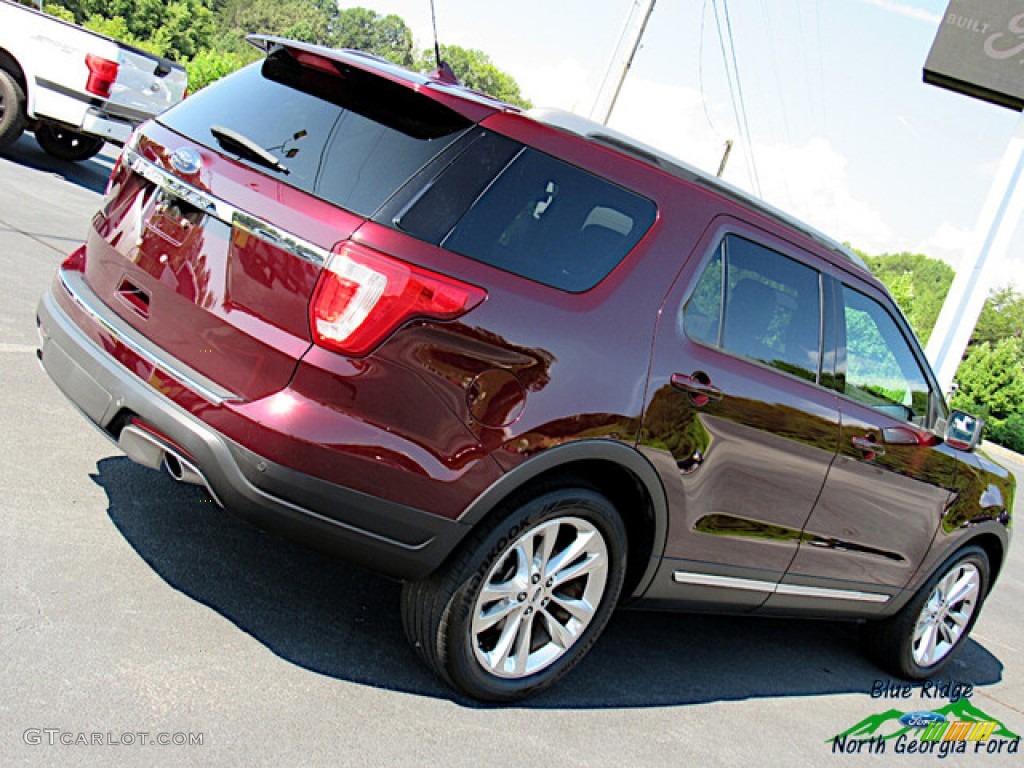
column 347, row 136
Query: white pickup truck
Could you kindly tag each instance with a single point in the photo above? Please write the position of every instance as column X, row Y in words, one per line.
column 73, row 88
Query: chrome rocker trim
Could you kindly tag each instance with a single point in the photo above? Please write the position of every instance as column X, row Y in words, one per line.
column 772, row 588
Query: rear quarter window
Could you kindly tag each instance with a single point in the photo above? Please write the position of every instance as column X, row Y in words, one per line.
column 528, row 213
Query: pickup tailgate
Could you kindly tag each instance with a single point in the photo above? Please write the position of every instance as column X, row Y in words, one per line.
column 146, row 85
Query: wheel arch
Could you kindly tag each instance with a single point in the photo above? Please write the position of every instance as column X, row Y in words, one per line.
column 619, row 472
column 11, row 65
column 994, row 548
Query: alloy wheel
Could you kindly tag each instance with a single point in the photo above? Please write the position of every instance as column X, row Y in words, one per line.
column 946, row 614
column 539, row 597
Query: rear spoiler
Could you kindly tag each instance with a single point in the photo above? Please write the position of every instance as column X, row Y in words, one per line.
column 471, row 104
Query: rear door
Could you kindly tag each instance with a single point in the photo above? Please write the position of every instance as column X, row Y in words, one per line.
column 737, row 420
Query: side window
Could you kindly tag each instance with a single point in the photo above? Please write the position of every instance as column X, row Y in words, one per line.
column 702, row 316
column 551, row 222
column 881, row 369
column 435, row 209
column 771, row 310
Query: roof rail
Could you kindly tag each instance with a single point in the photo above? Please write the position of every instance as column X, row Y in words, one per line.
column 601, row 134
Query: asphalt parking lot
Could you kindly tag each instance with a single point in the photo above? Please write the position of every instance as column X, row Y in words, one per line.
column 135, row 612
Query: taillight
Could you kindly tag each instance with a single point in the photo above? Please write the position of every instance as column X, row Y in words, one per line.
column 75, row 261
column 112, row 179
column 120, row 165
column 102, row 74
column 362, row 296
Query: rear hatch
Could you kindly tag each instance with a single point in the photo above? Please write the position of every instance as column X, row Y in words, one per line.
column 221, row 216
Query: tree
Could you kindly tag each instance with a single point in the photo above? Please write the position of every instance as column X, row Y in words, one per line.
column 918, row 283
column 1002, row 317
column 991, row 375
column 305, row 20
column 207, row 66
column 186, row 28
column 366, row 30
column 209, row 35
column 991, row 384
column 178, row 29
column 475, row 70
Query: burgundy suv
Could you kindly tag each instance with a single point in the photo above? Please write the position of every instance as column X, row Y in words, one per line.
column 531, row 368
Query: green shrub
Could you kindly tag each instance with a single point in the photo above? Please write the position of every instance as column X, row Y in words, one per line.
column 1008, row 433
column 207, row 66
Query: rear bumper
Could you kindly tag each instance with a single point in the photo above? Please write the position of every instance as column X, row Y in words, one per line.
column 104, row 126
column 63, row 105
column 394, row 539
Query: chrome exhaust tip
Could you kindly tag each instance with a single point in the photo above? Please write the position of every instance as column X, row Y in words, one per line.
column 144, row 448
column 182, row 470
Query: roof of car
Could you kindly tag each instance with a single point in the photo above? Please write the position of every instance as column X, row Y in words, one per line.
column 602, row 134
column 565, row 121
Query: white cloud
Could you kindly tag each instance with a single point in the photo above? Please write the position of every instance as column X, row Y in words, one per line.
column 672, row 119
column 902, row 9
column 949, row 242
column 562, row 84
column 953, row 243
column 809, row 181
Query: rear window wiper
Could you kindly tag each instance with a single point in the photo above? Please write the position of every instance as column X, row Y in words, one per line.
column 243, row 146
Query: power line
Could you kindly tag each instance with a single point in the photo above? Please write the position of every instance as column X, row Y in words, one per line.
column 700, row 71
column 783, row 105
column 776, row 71
column 602, row 89
column 627, row 63
column 821, row 69
column 725, row 62
column 743, row 106
column 736, row 91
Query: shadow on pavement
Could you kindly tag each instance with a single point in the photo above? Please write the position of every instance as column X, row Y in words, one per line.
column 329, row 617
column 89, row 174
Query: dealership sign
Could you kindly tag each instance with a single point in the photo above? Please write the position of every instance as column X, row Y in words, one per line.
column 979, row 51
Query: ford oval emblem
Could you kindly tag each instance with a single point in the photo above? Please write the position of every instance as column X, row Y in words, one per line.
column 186, row 161
column 921, row 719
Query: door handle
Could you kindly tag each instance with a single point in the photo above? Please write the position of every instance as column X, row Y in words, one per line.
column 868, row 446
column 698, row 386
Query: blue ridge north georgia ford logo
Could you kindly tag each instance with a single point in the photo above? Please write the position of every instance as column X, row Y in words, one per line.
column 957, row 728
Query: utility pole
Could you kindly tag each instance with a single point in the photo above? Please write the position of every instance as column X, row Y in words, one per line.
column 622, row 60
column 725, row 158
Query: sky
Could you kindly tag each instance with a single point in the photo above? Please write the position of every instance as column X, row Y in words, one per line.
column 844, row 133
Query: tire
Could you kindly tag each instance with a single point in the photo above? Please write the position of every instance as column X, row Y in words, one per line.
column 12, row 109
column 920, row 640
column 65, row 144
column 524, row 599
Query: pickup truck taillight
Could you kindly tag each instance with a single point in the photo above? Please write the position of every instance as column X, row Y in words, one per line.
column 102, row 74
column 362, row 296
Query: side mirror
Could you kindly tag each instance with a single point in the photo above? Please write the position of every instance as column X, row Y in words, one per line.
column 963, row 431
